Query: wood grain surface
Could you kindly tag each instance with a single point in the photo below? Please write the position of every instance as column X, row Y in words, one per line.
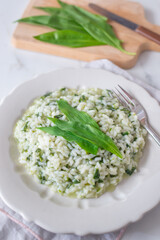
column 132, row 41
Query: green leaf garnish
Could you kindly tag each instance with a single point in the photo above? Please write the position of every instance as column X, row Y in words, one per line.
column 74, row 115
column 84, row 144
column 89, row 133
column 82, row 129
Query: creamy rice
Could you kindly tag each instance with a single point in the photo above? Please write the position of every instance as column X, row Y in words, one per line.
column 64, row 166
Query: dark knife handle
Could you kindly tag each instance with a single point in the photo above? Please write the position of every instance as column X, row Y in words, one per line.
column 148, row 34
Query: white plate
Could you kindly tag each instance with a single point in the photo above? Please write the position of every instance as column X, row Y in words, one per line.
column 131, row 199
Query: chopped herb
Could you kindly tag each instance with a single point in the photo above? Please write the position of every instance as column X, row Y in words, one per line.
column 37, row 114
column 130, row 172
column 109, row 92
column 62, row 89
column 69, row 180
column 58, row 116
column 101, row 98
column 95, row 157
column 38, row 150
column 109, row 107
column 134, row 139
column 38, row 163
column 126, row 110
column 98, row 189
column 40, row 158
column 82, row 98
column 43, row 179
column 111, row 175
column 96, row 174
column 40, row 153
column 100, row 181
column 28, row 158
column 25, row 127
column 76, row 181
column 24, row 150
column 52, row 153
column 46, row 95
column 52, row 102
column 124, row 133
column 69, row 185
column 127, row 145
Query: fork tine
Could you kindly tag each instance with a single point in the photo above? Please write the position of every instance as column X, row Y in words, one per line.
column 120, row 99
column 125, row 100
column 127, row 95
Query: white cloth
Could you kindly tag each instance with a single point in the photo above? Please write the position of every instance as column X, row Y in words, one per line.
column 10, row 230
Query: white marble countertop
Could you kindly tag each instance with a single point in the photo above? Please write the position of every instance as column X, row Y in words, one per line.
column 16, row 66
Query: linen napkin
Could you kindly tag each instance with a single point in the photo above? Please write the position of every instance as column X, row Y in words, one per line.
column 14, row 227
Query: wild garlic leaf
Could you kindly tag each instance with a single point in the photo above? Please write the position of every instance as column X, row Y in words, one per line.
column 98, row 19
column 84, row 144
column 89, row 133
column 75, row 115
column 61, row 12
column 38, row 20
column 96, row 30
column 65, row 23
column 56, row 21
column 69, row 38
column 51, row 10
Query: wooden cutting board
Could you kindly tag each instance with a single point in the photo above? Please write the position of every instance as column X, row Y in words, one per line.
column 133, row 42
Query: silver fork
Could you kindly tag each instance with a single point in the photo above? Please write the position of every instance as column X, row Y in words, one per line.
column 134, row 106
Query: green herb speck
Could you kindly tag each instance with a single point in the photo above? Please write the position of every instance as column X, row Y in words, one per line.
column 101, row 98
column 96, row 174
column 124, row 133
column 46, row 95
column 62, row 89
column 109, row 107
column 25, row 127
column 82, row 98
column 28, row 158
column 76, row 181
column 100, row 181
column 58, row 116
column 130, row 172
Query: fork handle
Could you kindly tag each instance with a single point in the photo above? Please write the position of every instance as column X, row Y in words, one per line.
column 155, row 136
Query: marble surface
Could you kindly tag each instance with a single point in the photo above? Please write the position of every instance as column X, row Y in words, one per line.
column 17, row 66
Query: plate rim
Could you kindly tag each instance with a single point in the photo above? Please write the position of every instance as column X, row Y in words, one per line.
column 38, row 222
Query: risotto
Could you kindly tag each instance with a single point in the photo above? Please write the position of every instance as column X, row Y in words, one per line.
column 64, row 166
